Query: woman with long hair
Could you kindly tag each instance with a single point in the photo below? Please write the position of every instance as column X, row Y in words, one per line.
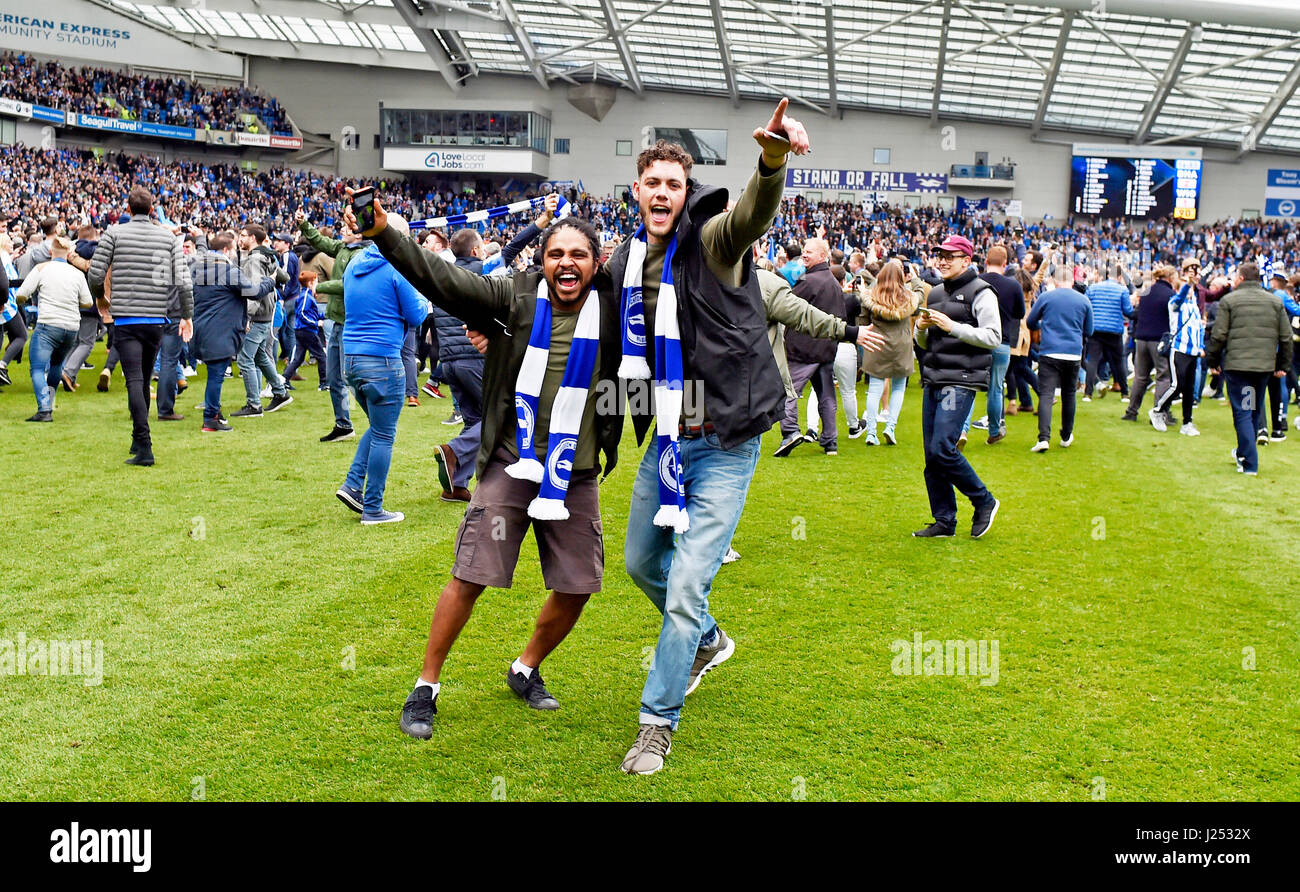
column 888, row 305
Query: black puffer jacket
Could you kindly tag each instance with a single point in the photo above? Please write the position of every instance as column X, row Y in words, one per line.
column 452, row 342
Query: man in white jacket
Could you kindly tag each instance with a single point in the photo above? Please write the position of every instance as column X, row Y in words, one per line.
column 61, row 291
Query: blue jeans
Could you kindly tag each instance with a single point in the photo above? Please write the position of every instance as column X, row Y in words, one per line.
column 1246, row 393
column 212, row 392
column 875, row 391
column 943, row 412
column 380, row 385
column 997, row 379
column 676, row 572
column 255, row 357
column 50, row 346
column 169, row 357
column 334, row 374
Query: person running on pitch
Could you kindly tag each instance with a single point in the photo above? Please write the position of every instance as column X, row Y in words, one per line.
column 694, row 324
column 541, row 440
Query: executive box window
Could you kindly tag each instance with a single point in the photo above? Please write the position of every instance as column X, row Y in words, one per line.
column 481, row 129
column 561, row 146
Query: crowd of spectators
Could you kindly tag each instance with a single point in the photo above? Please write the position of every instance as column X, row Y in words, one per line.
column 109, row 93
column 75, row 184
column 912, row 232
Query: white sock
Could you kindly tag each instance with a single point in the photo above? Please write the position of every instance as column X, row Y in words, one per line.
column 433, row 686
column 525, row 671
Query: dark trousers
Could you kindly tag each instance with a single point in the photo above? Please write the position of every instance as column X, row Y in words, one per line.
column 1053, row 374
column 170, row 348
column 1246, row 394
column 110, row 341
column 408, row 361
column 138, row 345
column 1277, row 404
column 1293, row 376
column 943, row 415
column 1148, row 365
column 465, row 377
column 1021, row 381
column 1108, row 346
column 289, row 334
column 307, row 340
column 16, row 328
column 822, row 376
column 1182, row 371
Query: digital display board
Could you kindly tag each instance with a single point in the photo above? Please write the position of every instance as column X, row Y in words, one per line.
column 1138, row 182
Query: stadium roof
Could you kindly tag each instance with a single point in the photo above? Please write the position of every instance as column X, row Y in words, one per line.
column 1217, row 72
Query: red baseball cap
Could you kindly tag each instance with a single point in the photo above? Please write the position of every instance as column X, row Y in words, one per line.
column 958, row 244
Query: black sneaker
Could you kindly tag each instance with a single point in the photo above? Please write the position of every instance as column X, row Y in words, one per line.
column 279, row 402
column 215, row 426
column 936, row 531
column 1261, row 438
column 339, row 433
column 249, row 411
column 532, row 689
column 418, row 712
column 983, row 520
column 810, row 436
column 42, row 416
column 857, row 431
column 787, row 446
column 4, row 377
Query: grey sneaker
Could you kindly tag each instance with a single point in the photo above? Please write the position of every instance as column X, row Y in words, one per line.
column 709, row 658
column 653, row 744
column 1158, row 420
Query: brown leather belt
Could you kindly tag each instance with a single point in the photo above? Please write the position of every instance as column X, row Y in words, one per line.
column 694, row 432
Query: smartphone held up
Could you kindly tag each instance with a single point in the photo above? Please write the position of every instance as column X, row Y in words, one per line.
column 363, row 206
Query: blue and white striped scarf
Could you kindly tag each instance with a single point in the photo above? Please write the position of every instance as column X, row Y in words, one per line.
column 10, row 306
column 516, row 207
column 566, row 409
column 667, row 376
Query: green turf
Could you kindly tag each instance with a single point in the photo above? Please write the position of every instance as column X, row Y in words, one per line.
column 1121, row 657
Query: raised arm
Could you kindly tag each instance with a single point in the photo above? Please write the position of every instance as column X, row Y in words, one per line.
column 463, row 294
column 730, row 234
column 311, row 234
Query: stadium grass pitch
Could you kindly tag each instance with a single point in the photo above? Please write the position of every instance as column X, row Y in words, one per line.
column 258, row 642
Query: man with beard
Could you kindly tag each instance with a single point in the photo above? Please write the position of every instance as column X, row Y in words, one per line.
column 693, row 318
column 554, row 349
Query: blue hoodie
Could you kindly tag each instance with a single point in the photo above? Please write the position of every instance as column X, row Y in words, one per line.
column 380, row 305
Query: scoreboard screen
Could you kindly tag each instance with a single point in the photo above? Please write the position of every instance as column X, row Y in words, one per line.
column 1125, row 184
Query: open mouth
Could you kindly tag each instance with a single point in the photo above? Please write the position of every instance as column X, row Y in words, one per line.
column 567, row 280
column 660, row 214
